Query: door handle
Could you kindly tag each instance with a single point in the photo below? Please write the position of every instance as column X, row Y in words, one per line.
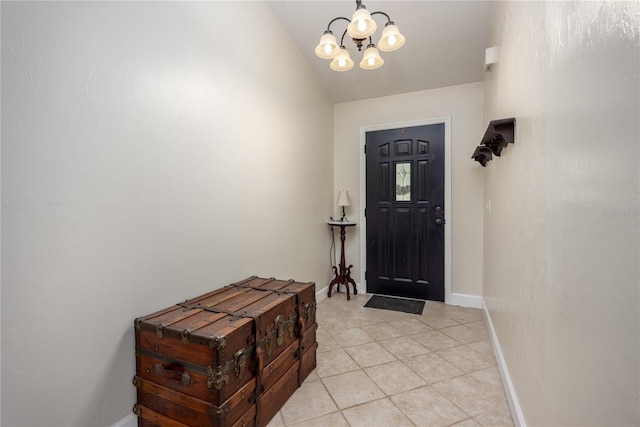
column 439, row 221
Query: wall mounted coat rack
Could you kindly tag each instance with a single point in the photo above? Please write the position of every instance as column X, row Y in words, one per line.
column 482, row 155
column 499, row 133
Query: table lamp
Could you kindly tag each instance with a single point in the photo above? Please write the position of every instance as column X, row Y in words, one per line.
column 343, row 200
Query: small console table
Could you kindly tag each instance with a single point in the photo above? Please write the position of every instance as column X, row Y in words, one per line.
column 343, row 273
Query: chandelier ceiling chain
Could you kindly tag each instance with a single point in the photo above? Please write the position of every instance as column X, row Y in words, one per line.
column 361, row 26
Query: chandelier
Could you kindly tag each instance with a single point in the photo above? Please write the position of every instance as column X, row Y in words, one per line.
column 361, row 26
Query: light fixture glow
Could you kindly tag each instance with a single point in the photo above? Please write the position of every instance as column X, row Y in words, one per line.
column 328, row 47
column 371, row 59
column 342, row 62
column 360, row 27
column 391, row 39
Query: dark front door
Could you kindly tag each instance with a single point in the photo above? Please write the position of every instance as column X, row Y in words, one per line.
column 405, row 212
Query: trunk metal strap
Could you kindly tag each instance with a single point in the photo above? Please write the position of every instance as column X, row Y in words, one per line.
column 199, row 306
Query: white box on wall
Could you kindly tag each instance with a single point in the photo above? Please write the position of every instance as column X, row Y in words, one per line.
column 491, row 56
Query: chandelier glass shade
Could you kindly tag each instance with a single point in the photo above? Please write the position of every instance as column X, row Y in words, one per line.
column 371, row 59
column 360, row 27
column 342, row 61
column 328, row 47
column 391, row 39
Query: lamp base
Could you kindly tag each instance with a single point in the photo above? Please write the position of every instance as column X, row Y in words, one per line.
column 343, row 218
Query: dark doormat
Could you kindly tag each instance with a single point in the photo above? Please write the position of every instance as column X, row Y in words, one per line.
column 396, row 304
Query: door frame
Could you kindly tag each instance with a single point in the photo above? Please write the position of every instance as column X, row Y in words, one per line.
column 447, row 194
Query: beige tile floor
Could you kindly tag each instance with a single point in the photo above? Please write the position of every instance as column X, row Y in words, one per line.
column 385, row 368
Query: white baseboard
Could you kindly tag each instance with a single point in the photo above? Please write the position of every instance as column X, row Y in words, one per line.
column 130, row 420
column 464, row 300
column 512, row 398
column 321, row 294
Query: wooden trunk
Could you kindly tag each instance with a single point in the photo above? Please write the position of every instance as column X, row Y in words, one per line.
column 216, row 359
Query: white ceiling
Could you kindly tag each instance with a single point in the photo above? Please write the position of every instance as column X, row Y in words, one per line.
column 445, row 44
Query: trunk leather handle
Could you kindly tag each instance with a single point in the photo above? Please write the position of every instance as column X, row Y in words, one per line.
column 173, row 371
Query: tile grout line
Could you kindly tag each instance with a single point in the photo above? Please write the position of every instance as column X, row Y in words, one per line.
column 468, row 317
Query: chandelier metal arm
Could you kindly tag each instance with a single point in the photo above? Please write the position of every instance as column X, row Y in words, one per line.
column 382, row 13
column 335, row 19
column 342, row 38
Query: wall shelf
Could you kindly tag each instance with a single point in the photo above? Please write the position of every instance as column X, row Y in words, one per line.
column 498, row 135
column 482, row 155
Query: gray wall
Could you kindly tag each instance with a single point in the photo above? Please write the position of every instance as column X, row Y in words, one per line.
column 150, row 153
column 561, row 239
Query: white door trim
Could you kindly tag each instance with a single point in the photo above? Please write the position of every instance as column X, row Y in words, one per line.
column 447, row 194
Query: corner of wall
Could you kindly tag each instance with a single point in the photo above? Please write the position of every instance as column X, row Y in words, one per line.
column 464, row 300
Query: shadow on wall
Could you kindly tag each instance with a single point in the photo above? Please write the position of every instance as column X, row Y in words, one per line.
column 115, row 381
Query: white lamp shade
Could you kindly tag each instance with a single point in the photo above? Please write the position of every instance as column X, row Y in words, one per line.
column 342, row 61
column 343, row 198
column 361, row 26
column 371, row 59
column 391, row 39
column 328, row 47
